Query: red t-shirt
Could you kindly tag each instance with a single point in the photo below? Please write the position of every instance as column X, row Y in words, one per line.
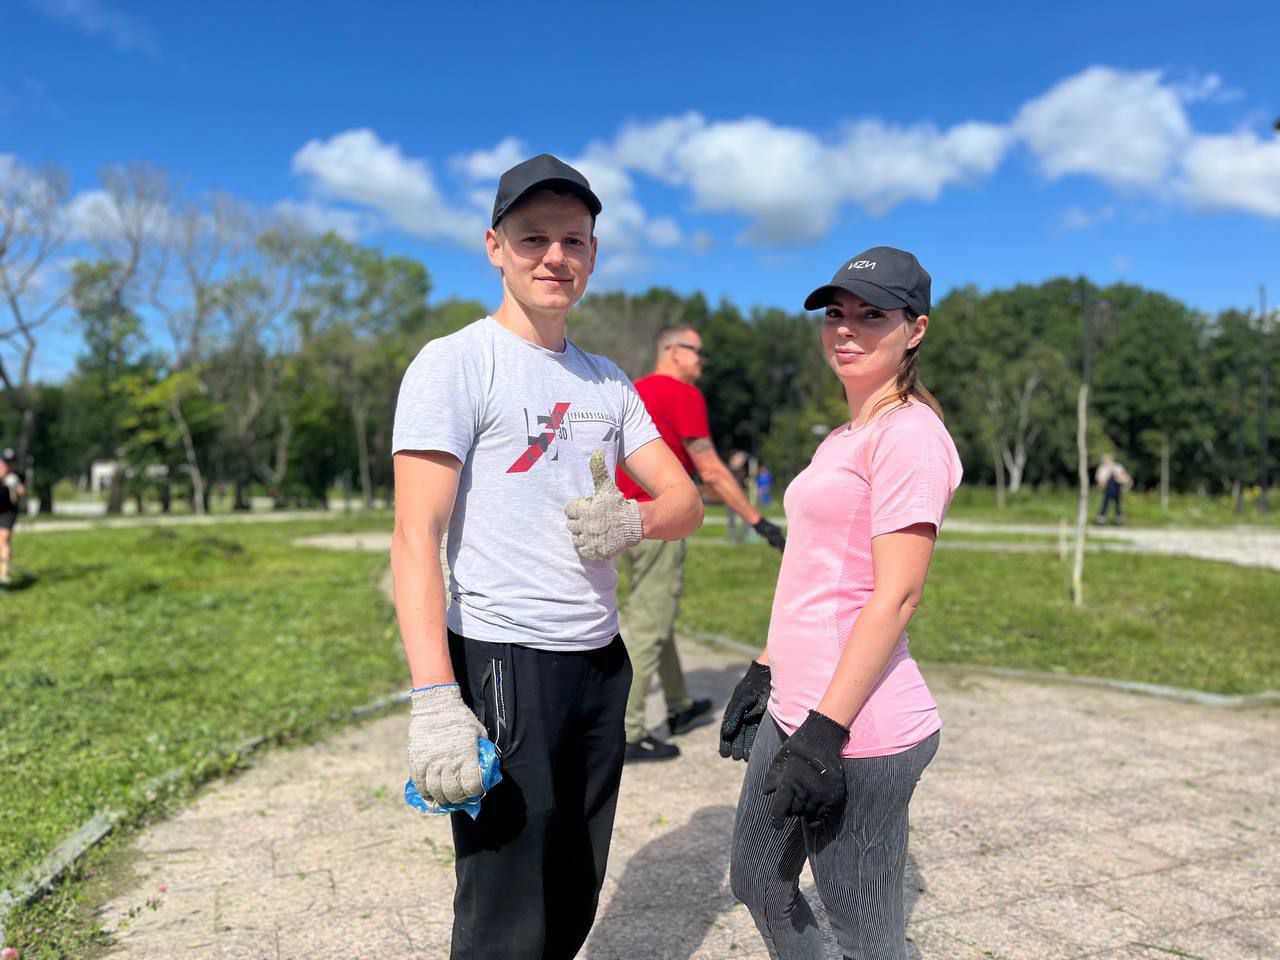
column 679, row 411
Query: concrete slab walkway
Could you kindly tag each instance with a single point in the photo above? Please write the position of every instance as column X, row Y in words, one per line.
column 1057, row 821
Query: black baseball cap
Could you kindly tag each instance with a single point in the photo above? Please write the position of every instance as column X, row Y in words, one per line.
column 884, row 277
column 541, row 172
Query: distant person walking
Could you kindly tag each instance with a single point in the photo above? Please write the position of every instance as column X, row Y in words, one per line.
column 834, row 718
column 655, row 568
column 12, row 490
column 506, row 434
column 1112, row 479
column 739, row 465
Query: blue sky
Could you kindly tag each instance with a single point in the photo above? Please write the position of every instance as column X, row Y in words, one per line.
column 740, row 149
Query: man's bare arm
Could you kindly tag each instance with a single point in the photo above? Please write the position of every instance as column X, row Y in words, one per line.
column 720, row 478
column 676, row 509
column 426, row 487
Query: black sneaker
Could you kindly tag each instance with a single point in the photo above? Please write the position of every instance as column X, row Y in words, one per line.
column 650, row 748
column 688, row 718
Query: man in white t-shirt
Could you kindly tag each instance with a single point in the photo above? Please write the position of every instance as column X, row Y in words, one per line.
column 507, row 435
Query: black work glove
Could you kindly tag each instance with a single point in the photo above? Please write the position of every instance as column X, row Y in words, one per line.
column 806, row 777
column 743, row 712
column 770, row 532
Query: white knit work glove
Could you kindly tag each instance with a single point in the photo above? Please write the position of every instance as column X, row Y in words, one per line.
column 444, row 757
column 604, row 524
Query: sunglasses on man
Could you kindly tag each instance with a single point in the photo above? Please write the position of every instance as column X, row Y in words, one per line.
column 688, row 346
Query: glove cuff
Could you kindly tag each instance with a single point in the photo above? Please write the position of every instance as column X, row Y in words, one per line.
column 428, row 698
column 761, row 525
column 759, row 671
column 822, row 730
column 632, row 529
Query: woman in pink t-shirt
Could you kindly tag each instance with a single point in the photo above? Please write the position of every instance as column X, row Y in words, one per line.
column 850, row 723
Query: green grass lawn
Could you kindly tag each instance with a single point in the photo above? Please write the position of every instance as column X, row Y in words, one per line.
column 128, row 652
column 1141, row 508
column 1168, row 620
column 1098, row 536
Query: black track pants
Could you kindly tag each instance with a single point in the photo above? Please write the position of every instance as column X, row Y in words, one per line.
column 531, row 866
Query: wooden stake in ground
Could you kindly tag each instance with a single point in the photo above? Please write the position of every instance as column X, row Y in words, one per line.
column 1082, row 507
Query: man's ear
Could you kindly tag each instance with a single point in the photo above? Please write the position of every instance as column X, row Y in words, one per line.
column 493, row 246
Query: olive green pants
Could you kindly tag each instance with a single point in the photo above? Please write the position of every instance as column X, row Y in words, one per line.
column 655, row 574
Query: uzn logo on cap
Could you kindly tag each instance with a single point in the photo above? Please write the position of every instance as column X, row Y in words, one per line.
column 862, row 265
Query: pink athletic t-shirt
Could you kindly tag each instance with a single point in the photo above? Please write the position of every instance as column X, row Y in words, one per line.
column 898, row 470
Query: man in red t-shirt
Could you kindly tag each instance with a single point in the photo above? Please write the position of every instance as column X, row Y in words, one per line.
column 655, row 568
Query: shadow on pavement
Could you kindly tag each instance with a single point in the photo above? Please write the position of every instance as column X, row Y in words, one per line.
column 670, row 894
column 716, row 684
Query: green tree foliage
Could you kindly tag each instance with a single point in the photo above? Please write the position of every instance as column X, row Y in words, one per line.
column 303, row 342
column 364, row 315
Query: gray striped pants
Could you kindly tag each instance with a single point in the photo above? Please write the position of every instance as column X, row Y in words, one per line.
column 857, row 864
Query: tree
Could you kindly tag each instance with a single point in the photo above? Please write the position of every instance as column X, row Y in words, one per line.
column 450, row 316
column 32, row 232
column 255, row 339
column 113, row 333
column 365, row 313
column 193, row 254
column 625, row 328
column 123, row 227
column 169, row 415
column 1152, row 400
column 1231, row 377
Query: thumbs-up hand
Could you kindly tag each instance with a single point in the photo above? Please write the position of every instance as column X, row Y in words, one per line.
column 604, row 524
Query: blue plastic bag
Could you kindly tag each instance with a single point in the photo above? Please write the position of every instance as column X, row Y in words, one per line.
column 490, row 776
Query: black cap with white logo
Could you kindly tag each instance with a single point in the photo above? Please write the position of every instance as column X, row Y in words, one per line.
column 884, row 277
column 543, row 172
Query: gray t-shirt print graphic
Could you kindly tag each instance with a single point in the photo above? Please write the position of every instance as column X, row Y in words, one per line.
column 524, row 421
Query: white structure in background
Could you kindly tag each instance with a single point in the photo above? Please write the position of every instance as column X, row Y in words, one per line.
column 100, row 473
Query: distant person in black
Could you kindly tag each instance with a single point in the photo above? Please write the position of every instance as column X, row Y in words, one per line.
column 12, row 491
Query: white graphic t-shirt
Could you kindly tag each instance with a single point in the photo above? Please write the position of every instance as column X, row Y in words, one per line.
column 524, row 421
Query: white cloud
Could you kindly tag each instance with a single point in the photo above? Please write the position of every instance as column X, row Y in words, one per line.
column 1078, row 218
column 318, row 218
column 884, row 166
column 623, row 225
column 617, row 265
column 92, row 216
column 1236, row 171
column 778, row 177
column 18, row 179
column 1123, row 127
column 93, row 18
column 665, row 232
column 491, row 164
column 651, row 148
column 358, row 167
column 789, row 183
column 1209, row 87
